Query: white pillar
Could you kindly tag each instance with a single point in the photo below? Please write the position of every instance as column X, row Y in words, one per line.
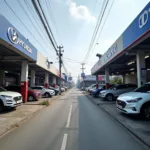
column 97, row 81
column 24, row 80
column 2, row 77
column 107, row 77
column 54, row 80
column 32, row 82
column 46, row 81
column 140, row 60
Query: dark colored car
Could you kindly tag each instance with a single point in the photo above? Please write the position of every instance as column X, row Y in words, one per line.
column 96, row 91
column 32, row 94
column 55, row 89
column 101, row 88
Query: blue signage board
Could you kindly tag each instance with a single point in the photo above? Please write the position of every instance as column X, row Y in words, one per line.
column 11, row 35
column 69, row 78
column 137, row 28
column 83, row 75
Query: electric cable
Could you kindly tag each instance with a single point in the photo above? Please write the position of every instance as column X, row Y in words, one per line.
column 33, row 24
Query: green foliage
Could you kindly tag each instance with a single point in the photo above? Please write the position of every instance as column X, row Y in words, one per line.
column 116, row 80
column 46, row 103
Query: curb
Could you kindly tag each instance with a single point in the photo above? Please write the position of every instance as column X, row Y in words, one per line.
column 129, row 130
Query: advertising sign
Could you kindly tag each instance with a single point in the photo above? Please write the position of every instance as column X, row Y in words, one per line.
column 83, row 75
column 11, row 35
column 137, row 28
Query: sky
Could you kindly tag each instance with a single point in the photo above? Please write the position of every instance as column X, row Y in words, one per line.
column 73, row 23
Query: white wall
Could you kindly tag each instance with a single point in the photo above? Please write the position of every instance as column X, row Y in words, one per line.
column 131, row 78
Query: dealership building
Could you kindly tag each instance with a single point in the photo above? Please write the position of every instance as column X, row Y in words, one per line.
column 129, row 56
column 21, row 63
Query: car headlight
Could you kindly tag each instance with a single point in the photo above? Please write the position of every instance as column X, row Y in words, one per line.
column 134, row 100
column 7, row 97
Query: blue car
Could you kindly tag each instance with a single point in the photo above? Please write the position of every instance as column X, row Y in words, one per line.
column 97, row 91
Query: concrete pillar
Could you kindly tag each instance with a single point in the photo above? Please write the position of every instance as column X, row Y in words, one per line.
column 24, row 80
column 140, row 60
column 123, row 79
column 54, row 80
column 32, row 82
column 107, row 77
column 46, row 81
column 97, row 81
column 2, row 78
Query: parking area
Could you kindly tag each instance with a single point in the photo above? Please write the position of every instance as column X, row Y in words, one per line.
column 11, row 119
column 134, row 124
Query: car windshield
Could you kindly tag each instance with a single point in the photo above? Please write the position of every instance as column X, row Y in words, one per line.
column 112, row 87
column 145, row 88
column 2, row 89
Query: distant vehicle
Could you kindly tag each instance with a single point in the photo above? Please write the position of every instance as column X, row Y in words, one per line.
column 97, row 91
column 32, row 94
column 91, row 86
column 117, row 90
column 66, row 88
column 44, row 91
column 136, row 102
column 55, row 89
column 62, row 89
column 9, row 99
column 91, row 90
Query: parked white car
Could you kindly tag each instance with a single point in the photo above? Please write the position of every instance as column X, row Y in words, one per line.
column 9, row 99
column 90, row 87
column 136, row 102
column 117, row 90
column 44, row 92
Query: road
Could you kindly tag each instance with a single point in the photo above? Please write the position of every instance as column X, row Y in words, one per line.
column 71, row 123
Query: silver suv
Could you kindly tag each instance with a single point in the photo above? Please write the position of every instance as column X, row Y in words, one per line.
column 117, row 90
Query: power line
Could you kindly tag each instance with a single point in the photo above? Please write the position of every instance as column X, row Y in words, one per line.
column 100, row 32
column 97, row 27
column 105, row 20
column 52, row 17
column 35, row 17
column 32, row 23
column 96, row 30
column 22, row 23
column 51, row 38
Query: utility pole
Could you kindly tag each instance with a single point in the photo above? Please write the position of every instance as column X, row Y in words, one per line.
column 82, row 73
column 60, row 65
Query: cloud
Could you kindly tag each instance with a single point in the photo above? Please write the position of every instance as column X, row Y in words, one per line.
column 80, row 12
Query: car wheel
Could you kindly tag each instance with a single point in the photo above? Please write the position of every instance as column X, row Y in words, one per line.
column 109, row 97
column 30, row 98
column 1, row 107
column 145, row 112
column 47, row 95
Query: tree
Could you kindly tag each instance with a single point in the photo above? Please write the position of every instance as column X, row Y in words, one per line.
column 116, row 80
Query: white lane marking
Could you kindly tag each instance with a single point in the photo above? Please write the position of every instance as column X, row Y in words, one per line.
column 69, row 117
column 64, row 142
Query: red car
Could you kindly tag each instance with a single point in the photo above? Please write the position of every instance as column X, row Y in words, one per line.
column 32, row 94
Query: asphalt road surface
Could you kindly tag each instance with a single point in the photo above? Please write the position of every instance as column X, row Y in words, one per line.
column 71, row 123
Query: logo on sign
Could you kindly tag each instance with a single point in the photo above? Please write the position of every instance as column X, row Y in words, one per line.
column 110, row 52
column 143, row 19
column 14, row 38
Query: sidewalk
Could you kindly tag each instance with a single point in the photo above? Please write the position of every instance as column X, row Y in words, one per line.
column 11, row 119
column 134, row 124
